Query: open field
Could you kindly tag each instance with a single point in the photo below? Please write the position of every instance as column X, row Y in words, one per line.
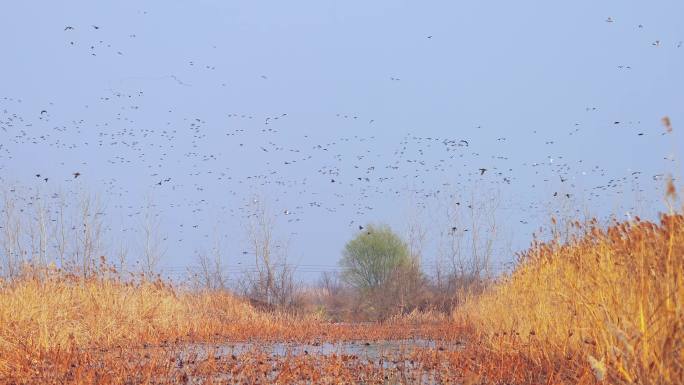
column 602, row 305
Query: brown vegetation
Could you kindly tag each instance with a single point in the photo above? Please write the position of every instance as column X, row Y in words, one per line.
column 614, row 298
column 595, row 305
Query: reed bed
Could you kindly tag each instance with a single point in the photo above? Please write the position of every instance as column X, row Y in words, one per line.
column 611, row 299
column 59, row 328
column 470, row 366
column 54, row 311
column 604, row 305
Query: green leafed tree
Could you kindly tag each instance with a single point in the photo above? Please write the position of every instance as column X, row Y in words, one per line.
column 372, row 257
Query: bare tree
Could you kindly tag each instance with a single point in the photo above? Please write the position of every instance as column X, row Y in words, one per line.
column 38, row 230
column 483, row 222
column 285, row 289
column 11, row 237
column 30, row 233
column 466, row 244
column 333, row 296
column 122, row 255
column 89, row 235
column 272, row 282
column 152, row 248
column 331, row 283
column 416, row 232
column 210, row 267
column 59, row 231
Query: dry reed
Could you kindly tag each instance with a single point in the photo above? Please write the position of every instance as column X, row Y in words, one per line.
column 612, row 299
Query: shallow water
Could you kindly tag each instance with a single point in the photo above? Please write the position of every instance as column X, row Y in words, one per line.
column 371, row 350
column 391, row 355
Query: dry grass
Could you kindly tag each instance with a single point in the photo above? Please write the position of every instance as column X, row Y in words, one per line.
column 606, row 305
column 612, row 299
column 55, row 312
column 259, row 366
column 58, row 328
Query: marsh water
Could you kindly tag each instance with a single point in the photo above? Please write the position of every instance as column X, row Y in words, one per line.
column 394, row 356
column 371, row 350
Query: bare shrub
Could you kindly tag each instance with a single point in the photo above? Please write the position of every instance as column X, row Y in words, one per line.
column 151, row 244
column 466, row 243
column 272, row 281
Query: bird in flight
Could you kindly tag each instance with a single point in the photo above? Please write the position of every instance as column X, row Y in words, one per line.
column 68, row 27
column 482, row 171
column 667, row 123
column 76, row 174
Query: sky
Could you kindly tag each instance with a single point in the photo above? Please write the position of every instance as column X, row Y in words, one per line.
column 333, row 115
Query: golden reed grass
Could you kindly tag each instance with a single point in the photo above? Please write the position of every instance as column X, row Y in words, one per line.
column 56, row 312
column 611, row 300
column 604, row 306
column 59, row 328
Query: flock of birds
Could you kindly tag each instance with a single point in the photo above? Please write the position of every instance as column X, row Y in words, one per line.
column 200, row 171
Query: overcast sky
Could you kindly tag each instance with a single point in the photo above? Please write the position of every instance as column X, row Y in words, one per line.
column 337, row 114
